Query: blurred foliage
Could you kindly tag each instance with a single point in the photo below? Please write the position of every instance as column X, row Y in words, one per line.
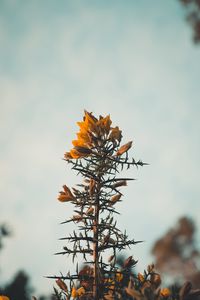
column 4, row 232
column 18, row 288
column 177, row 254
column 193, row 16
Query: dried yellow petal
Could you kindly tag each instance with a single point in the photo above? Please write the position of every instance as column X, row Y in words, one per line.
column 104, row 124
column 115, row 198
column 67, row 155
column 115, row 134
column 124, row 148
column 91, row 122
column 165, row 292
column 89, row 211
column 129, row 262
column 62, row 285
column 77, row 218
column 66, row 195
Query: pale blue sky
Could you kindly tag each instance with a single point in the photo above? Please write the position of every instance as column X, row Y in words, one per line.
column 132, row 59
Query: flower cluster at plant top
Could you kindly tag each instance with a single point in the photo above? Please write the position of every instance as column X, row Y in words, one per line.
column 95, row 133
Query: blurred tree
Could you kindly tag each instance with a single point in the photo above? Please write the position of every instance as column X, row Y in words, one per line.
column 193, row 17
column 19, row 287
column 4, row 232
column 176, row 253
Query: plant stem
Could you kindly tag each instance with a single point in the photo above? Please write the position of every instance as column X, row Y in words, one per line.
column 96, row 246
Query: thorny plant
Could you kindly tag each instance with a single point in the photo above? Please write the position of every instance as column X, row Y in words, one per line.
column 99, row 157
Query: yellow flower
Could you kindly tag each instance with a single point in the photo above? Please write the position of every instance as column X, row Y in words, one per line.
column 110, row 283
column 83, row 126
column 74, row 293
column 84, row 136
column 66, row 195
column 81, row 291
column 115, row 134
column 79, row 143
column 62, row 285
column 165, row 292
column 140, row 277
column 4, row 297
column 76, row 154
column 119, row 276
column 124, row 148
column 92, row 132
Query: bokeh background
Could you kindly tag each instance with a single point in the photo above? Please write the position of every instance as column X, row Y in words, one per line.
column 134, row 60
